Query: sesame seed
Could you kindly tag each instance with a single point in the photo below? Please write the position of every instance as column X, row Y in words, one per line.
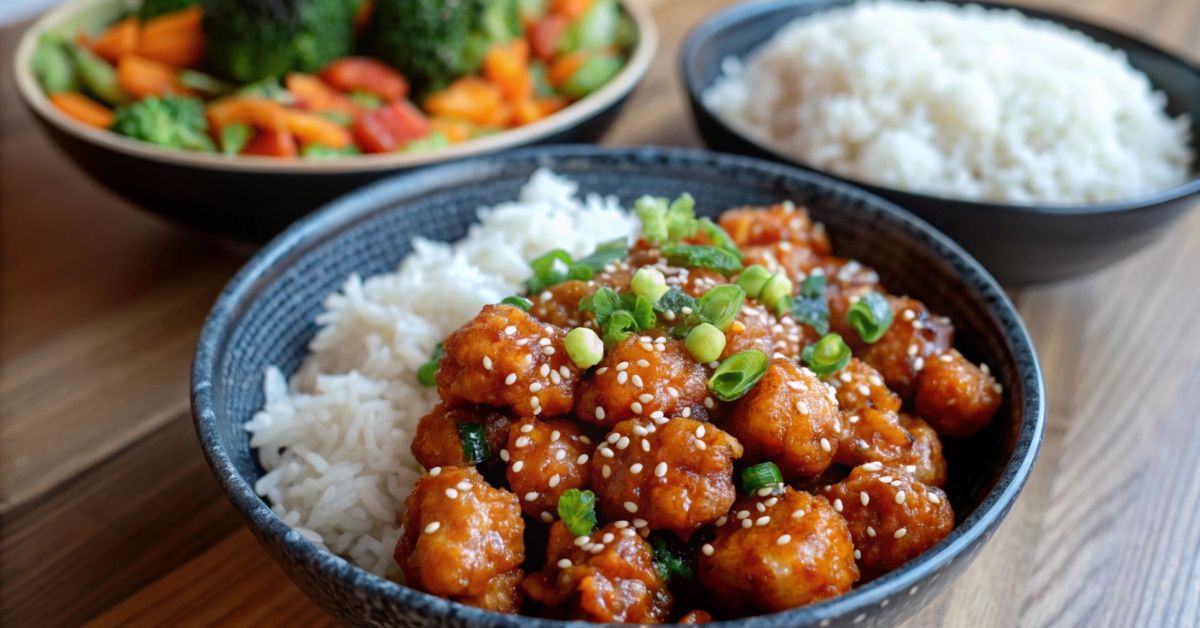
column 864, row 390
column 510, row 330
column 707, row 549
column 911, row 468
column 606, row 471
column 608, row 537
column 631, row 507
column 452, row 493
column 554, row 480
column 582, row 540
column 602, row 370
column 857, row 555
column 686, row 412
column 783, row 539
column 582, row 459
column 640, row 431
column 945, row 357
column 522, row 441
column 546, row 517
column 597, row 548
column 912, row 349
column 864, row 498
column 635, row 468
column 645, row 397
column 796, row 514
column 900, row 533
column 760, row 507
column 621, row 524
column 606, row 452
column 518, row 465
column 432, row 527
column 535, row 387
column 487, row 363
column 837, row 505
column 908, row 315
column 762, row 521
column 722, row 521
column 504, row 455
column 933, row 498
column 564, row 371
column 825, row 446
column 555, row 435
column 545, row 342
column 622, row 442
column 622, row 366
column 742, row 514
column 699, row 431
column 886, row 479
column 635, row 407
column 873, row 466
column 645, row 445
column 801, row 407
column 700, row 445
column 746, row 523
column 585, row 440
column 564, row 563
column 640, row 523
column 660, row 470
column 870, row 531
column 463, row 486
column 530, row 496
column 622, row 377
column 771, row 502
column 900, row 497
column 637, row 381
column 918, row 364
column 511, row 379
column 599, row 413
column 435, row 471
column 628, row 532
column 613, row 437
column 527, row 428
column 709, row 403
column 548, row 351
column 545, row 370
column 845, row 377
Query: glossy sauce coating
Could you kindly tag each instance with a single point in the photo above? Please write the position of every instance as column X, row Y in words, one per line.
column 956, row 397
column 606, row 576
column 437, row 442
column 675, row 474
column 859, row 386
column 904, row 350
column 643, row 377
column 544, row 460
column 790, row 418
column 891, row 516
column 872, row 435
column 505, row 357
column 776, row 553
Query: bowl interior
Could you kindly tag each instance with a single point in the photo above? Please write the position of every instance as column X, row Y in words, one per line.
column 89, row 16
column 738, row 31
column 266, row 315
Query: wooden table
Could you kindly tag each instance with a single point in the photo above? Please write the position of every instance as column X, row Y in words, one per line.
column 109, row 513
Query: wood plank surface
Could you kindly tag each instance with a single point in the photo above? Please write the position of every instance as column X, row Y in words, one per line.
column 109, row 515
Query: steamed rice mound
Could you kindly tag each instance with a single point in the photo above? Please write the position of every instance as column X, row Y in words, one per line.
column 335, row 442
column 957, row 101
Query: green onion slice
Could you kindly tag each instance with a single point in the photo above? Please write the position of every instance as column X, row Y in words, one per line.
column 697, row 256
column 666, row 221
column 518, row 302
column 828, row 355
column 761, row 475
column 428, row 372
column 753, row 279
column 605, row 254
column 738, row 374
column 720, row 305
column 577, row 510
column 810, row 307
column 670, row 558
column 474, row 442
column 619, row 326
column 554, row 268
column 718, row 236
column 870, row 317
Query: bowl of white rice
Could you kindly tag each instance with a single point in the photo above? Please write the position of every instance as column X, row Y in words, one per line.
column 1046, row 146
column 305, row 388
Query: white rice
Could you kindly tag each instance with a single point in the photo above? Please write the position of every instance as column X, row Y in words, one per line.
column 335, row 443
column 957, row 101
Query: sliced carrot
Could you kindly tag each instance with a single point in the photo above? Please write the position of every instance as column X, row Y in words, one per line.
column 571, row 9
column 175, row 38
column 141, row 77
column 272, row 143
column 470, row 98
column 259, row 112
column 533, row 109
column 544, row 35
column 551, row 104
column 120, row 39
column 314, row 94
column 310, row 128
column 389, row 127
column 507, row 67
column 565, row 67
column 83, row 109
column 455, row 130
column 364, row 74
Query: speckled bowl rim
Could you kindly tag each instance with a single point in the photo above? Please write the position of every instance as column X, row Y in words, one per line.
column 347, row 210
column 619, row 87
column 732, row 16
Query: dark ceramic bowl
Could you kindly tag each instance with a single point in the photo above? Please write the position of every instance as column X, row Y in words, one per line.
column 253, row 198
column 1019, row 244
column 265, row 317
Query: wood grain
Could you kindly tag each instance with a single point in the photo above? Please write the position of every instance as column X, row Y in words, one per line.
column 108, row 512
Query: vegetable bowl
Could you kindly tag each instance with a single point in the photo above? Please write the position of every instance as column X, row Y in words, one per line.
column 235, row 118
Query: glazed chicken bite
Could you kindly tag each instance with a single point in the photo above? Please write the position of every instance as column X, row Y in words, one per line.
column 438, row 442
column 914, row 337
column 790, row 418
column 460, row 535
column 606, row 576
column 859, row 386
column 643, row 377
column 779, row 552
column 505, row 357
column 783, row 222
column 559, row 305
column 675, row 475
column 955, row 396
column 892, row 517
column 927, row 462
column 872, row 435
column 756, row 327
column 545, row 459
column 501, row 595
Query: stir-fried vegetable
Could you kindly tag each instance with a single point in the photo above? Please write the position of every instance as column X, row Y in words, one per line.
column 250, row 40
column 738, row 374
column 828, row 355
column 871, row 316
column 171, row 121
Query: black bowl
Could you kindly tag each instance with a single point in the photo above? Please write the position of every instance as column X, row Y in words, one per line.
column 253, row 198
column 265, row 317
column 1019, row 244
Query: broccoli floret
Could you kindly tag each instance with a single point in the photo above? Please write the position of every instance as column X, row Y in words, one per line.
column 155, row 8
column 172, row 121
column 248, row 40
column 434, row 42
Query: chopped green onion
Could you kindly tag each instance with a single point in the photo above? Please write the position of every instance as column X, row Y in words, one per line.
column 428, row 371
column 577, row 510
column 643, row 312
column 649, row 282
column 518, row 301
column 777, row 294
column 474, row 442
column 720, row 305
column 753, row 279
column 705, row 342
column 601, row 303
column 584, row 347
column 738, row 374
column 605, row 254
column 717, row 235
column 619, row 326
column 761, row 475
column 696, row 256
column 871, row 316
column 827, row 355
column 669, row 558
column 810, row 307
column 666, row 221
